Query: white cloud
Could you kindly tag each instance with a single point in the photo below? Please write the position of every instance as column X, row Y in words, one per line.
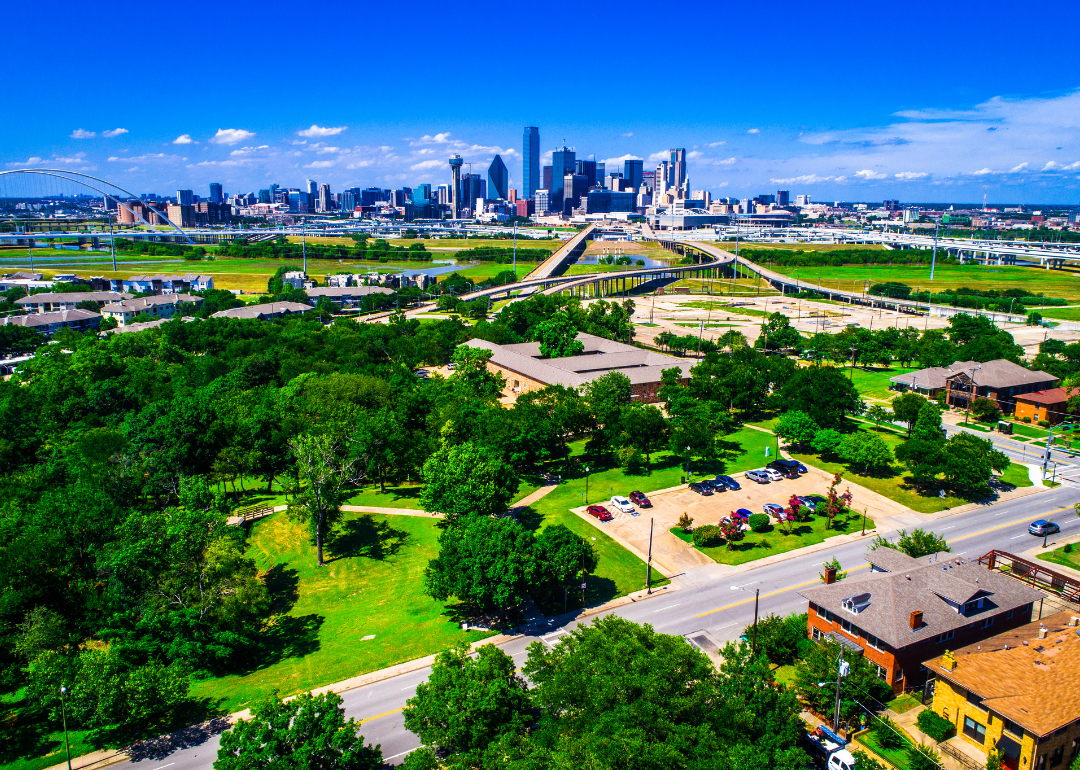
column 1018, row 169
column 151, row 157
column 1051, row 165
column 114, row 132
column 754, row 131
column 628, row 133
column 693, row 154
column 725, row 162
column 32, row 161
column 249, row 150
column 327, row 150
column 76, row 158
column 807, row 179
column 715, row 144
column 868, row 174
column 184, row 139
column 1071, row 166
column 80, row 133
column 443, row 138
column 982, row 172
column 426, row 164
column 320, row 164
column 613, row 162
column 911, row 176
column 319, row 131
column 231, row 136
column 659, row 156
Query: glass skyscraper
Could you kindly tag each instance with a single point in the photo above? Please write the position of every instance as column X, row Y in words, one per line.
column 530, row 161
column 632, row 170
column 498, row 179
column 562, row 163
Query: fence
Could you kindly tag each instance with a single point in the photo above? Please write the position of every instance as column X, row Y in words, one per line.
column 965, row 761
column 244, row 515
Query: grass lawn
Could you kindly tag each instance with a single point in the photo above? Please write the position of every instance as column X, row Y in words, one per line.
column 1060, row 313
column 1060, row 556
column 371, row 585
column 1017, row 475
column 776, row 540
column 897, row 757
column 890, row 483
column 32, row 744
column 903, row 703
column 874, row 383
column 784, row 676
column 408, row 495
column 1020, row 429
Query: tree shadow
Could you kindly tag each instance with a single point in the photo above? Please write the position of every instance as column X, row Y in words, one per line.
column 283, row 585
column 365, row 536
column 285, row 636
column 22, row 736
column 529, row 518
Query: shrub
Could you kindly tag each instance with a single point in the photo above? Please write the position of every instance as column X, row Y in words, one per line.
column 922, row 757
column 686, row 522
column 707, row 536
column 887, row 734
column 1068, row 548
column 759, row 522
column 1027, row 419
column 936, row 726
column 1044, row 423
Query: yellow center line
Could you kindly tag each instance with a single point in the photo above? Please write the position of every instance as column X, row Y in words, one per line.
column 773, row 593
column 1012, row 523
column 379, row 716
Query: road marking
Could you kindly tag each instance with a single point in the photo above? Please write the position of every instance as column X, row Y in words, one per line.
column 164, row 766
column 666, row 608
column 410, row 687
column 410, row 751
column 1012, row 523
column 772, row 593
column 945, row 528
column 379, row 716
column 1017, row 537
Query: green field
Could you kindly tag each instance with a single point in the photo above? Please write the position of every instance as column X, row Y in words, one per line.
column 1061, row 313
column 1059, row 556
column 874, row 383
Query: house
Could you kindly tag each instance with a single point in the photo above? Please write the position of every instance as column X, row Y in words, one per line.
column 265, row 311
column 346, row 296
column 50, row 323
column 1050, row 405
column 525, row 369
column 906, row 611
column 1000, row 381
column 160, row 306
column 168, row 284
column 1017, row 692
column 297, row 279
column 55, row 301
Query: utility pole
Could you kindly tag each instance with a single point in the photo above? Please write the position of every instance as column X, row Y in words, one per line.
column 303, row 244
column 933, row 258
column 648, row 566
column 753, row 643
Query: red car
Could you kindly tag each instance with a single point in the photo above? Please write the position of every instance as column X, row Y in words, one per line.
column 639, row 499
column 599, row 512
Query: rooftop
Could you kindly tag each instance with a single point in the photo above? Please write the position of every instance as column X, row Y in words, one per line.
column 140, row 303
column 347, row 291
column 72, row 296
column 1032, row 681
column 992, row 374
column 46, row 319
column 1051, row 396
column 264, row 310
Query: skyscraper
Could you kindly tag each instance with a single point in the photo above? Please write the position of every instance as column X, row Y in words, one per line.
column 498, row 178
column 587, row 169
column 783, row 198
column 530, row 161
column 547, row 179
column 678, row 167
column 184, row 197
column 632, row 171
column 215, row 192
column 562, row 163
column 264, row 196
column 326, row 201
column 421, row 194
column 312, row 187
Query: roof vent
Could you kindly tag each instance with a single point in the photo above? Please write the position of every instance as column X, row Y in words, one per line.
column 1042, row 633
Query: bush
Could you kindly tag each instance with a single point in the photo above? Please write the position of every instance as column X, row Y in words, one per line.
column 707, row 536
column 759, row 522
column 922, row 757
column 1027, row 419
column 887, row 734
column 936, row 726
column 686, row 522
column 1068, row 548
column 1044, row 423
column 779, row 638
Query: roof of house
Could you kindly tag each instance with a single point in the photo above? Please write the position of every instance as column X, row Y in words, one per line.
column 934, row 585
column 47, row 319
column 141, row 303
column 600, row 357
column 144, row 325
column 264, row 310
column 1051, row 396
column 347, row 291
column 72, row 296
column 1031, row 681
column 993, row 374
column 188, row 277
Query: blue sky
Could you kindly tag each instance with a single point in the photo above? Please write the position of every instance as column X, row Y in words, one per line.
column 921, row 102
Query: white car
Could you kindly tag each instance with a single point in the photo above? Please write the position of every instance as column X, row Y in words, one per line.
column 773, row 475
column 622, row 504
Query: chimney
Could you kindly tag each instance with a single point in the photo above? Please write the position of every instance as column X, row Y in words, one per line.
column 1073, row 621
column 830, row 575
column 1042, row 633
column 916, row 620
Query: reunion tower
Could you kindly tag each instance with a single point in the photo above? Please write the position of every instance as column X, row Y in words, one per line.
column 455, row 189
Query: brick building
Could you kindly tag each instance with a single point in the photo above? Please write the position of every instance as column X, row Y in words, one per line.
column 1050, row 405
column 906, row 611
column 1017, row 692
column 525, row 369
column 1000, row 381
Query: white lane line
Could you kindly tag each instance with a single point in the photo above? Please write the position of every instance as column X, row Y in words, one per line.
column 1017, row 537
column 410, row 751
column 410, row 687
column 945, row 528
column 665, row 608
column 729, row 625
column 164, row 766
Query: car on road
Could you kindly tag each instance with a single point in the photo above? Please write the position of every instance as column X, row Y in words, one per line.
column 785, row 468
column 599, row 512
column 1043, row 527
column 758, row 476
column 742, row 513
column 811, row 501
column 701, row 489
column 772, row 509
column 771, row 474
column 622, row 504
column 729, row 482
column 639, row 499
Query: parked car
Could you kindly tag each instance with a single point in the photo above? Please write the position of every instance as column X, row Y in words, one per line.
column 622, row 504
column 639, row 499
column 714, row 485
column 772, row 509
column 785, row 468
column 422, row 373
column 771, row 474
column 729, row 482
column 811, row 501
column 599, row 512
column 1043, row 527
column 758, row 476
column 742, row 513
column 701, row 489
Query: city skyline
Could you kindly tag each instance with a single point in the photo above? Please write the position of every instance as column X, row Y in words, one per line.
column 941, row 117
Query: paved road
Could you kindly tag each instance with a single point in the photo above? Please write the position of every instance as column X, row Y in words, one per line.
column 720, row 605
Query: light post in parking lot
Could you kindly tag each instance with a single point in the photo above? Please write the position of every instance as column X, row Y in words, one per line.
column 688, row 461
column 586, row 485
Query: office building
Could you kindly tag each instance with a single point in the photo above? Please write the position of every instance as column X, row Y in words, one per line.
column 498, row 179
column 274, row 194
column 215, row 193
column 347, row 200
column 181, row 215
column 442, row 195
column 421, row 194
column 632, row 170
column 802, row 200
column 472, row 187
column 530, row 161
column 542, row 202
column 563, row 164
column 326, row 201
column 601, row 172
column 608, row 201
column 662, row 178
column 587, row 169
column 893, row 205
column 547, row 179
column 574, row 187
column 184, row 198
column 312, row 187
column 782, row 198
column 264, row 196
column 614, row 181
column 678, row 167
column 648, row 178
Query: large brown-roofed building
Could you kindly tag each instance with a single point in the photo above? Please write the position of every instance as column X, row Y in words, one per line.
column 265, row 311
column 52, row 302
column 50, row 323
column 1000, row 381
column 906, row 611
column 525, row 369
column 1017, row 692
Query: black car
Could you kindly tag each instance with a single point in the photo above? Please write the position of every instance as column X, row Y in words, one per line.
column 714, row 485
column 701, row 489
column 786, row 468
column 728, row 482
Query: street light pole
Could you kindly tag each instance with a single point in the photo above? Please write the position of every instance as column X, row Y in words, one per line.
column 63, row 712
column 648, row 566
column 586, row 485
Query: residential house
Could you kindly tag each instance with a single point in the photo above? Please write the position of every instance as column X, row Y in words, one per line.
column 1000, row 381
column 51, row 302
column 160, row 306
column 168, row 284
column 345, row 296
column 50, row 323
column 1017, row 692
column 906, row 611
column 265, row 311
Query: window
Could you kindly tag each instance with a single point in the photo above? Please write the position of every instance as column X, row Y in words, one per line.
column 816, row 634
column 945, row 636
column 1057, row 756
column 873, row 641
column 821, row 612
column 974, row 730
column 844, row 624
column 1012, row 727
column 1009, row 614
column 975, row 700
column 987, row 623
column 882, row 674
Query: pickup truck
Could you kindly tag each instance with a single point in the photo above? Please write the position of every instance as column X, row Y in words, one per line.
column 828, row 749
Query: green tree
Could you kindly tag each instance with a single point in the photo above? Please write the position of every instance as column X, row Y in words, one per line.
column 968, row 462
column 916, row 544
column 922, row 757
column 985, row 410
column 905, row 408
column 558, row 337
column 823, row 392
column 377, row 443
column 308, row 732
column 866, row 449
column 796, row 427
column 563, row 555
column 861, row 684
column 780, row 638
column 644, row 428
column 327, row 469
column 486, row 563
column 467, row 481
column 471, row 370
column 606, row 396
column 827, row 440
column 778, row 333
column 468, row 701
column 879, row 414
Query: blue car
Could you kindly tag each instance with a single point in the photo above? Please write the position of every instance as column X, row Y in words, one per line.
column 728, row 482
column 742, row 513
